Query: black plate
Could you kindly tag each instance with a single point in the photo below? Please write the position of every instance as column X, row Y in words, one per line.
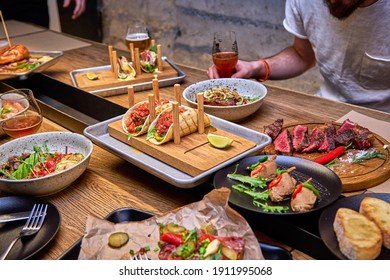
column 270, row 252
column 326, row 220
column 324, row 179
column 27, row 246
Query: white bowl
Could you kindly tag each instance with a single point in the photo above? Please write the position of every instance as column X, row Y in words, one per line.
column 56, row 142
column 235, row 113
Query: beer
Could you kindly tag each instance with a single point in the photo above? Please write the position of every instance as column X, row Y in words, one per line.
column 22, row 125
column 225, row 63
column 139, row 40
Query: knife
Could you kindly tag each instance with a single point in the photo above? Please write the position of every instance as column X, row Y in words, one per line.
column 11, row 217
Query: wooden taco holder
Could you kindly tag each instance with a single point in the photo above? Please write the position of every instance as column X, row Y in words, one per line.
column 189, row 154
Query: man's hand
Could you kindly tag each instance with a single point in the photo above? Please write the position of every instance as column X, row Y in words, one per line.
column 79, row 8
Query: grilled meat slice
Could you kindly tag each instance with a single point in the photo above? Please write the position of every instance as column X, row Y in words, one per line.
column 274, row 129
column 328, row 144
column 363, row 138
column 316, row 139
column 303, row 201
column 266, row 170
column 283, row 143
column 349, row 131
column 283, row 189
column 300, row 138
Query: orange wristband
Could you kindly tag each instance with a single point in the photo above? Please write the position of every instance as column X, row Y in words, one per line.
column 267, row 72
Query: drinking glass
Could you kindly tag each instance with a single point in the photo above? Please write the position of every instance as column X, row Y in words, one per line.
column 138, row 34
column 20, row 113
column 225, row 52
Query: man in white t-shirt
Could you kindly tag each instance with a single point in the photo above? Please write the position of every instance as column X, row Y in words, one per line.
column 348, row 39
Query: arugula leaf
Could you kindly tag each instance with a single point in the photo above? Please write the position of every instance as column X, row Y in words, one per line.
column 153, row 48
column 264, row 195
column 254, row 182
column 269, row 208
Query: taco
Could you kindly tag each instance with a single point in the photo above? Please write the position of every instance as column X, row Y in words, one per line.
column 161, row 129
column 135, row 122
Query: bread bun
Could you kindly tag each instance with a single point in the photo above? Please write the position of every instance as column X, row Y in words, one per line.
column 359, row 238
column 378, row 211
column 13, row 53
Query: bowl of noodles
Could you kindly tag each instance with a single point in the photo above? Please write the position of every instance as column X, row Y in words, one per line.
column 229, row 99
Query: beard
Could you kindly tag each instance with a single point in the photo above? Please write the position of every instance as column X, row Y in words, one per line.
column 340, row 10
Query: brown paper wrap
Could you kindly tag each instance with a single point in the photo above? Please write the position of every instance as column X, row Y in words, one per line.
column 212, row 209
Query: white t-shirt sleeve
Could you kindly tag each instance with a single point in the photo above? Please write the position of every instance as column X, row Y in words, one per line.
column 293, row 22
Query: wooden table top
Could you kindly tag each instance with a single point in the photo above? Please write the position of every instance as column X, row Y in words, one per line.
column 110, row 183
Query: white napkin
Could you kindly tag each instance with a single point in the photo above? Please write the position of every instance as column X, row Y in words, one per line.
column 379, row 127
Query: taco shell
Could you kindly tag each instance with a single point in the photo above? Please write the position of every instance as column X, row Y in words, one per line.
column 188, row 123
column 146, row 124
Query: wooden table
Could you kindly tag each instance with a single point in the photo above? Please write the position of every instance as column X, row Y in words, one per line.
column 110, row 183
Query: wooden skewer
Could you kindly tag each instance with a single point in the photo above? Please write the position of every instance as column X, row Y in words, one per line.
column 199, row 99
column 130, row 93
column 155, row 89
column 110, row 49
column 114, row 64
column 176, row 126
column 152, row 108
column 159, row 58
column 5, row 29
column 152, row 42
column 177, row 93
column 131, row 47
column 137, row 65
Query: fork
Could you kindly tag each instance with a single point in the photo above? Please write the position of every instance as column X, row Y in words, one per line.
column 32, row 226
column 139, row 256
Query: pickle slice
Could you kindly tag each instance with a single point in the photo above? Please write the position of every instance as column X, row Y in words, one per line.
column 118, row 239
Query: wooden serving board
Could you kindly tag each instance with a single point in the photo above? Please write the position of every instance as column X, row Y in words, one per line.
column 353, row 176
column 106, row 78
column 194, row 155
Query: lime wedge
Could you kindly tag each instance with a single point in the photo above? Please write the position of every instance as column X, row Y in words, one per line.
column 218, row 141
column 92, row 76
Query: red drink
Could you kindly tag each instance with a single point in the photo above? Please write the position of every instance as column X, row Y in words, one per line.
column 20, row 126
column 225, row 62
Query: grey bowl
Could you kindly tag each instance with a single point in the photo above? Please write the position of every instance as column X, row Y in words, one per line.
column 236, row 113
column 56, row 142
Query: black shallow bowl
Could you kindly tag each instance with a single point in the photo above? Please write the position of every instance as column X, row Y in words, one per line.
column 325, row 223
column 269, row 251
column 324, row 180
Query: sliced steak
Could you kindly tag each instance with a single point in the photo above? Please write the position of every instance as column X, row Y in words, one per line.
column 362, row 138
column 345, row 134
column 328, row 144
column 316, row 139
column 300, row 138
column 274, row 129
column 283, row 143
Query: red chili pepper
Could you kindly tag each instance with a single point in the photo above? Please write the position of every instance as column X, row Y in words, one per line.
column 257, row 169
column 173, row 238
column 332, row 155
column 275, row 181
column 297, row 190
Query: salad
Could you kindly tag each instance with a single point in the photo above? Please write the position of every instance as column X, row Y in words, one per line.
column 40, row 163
